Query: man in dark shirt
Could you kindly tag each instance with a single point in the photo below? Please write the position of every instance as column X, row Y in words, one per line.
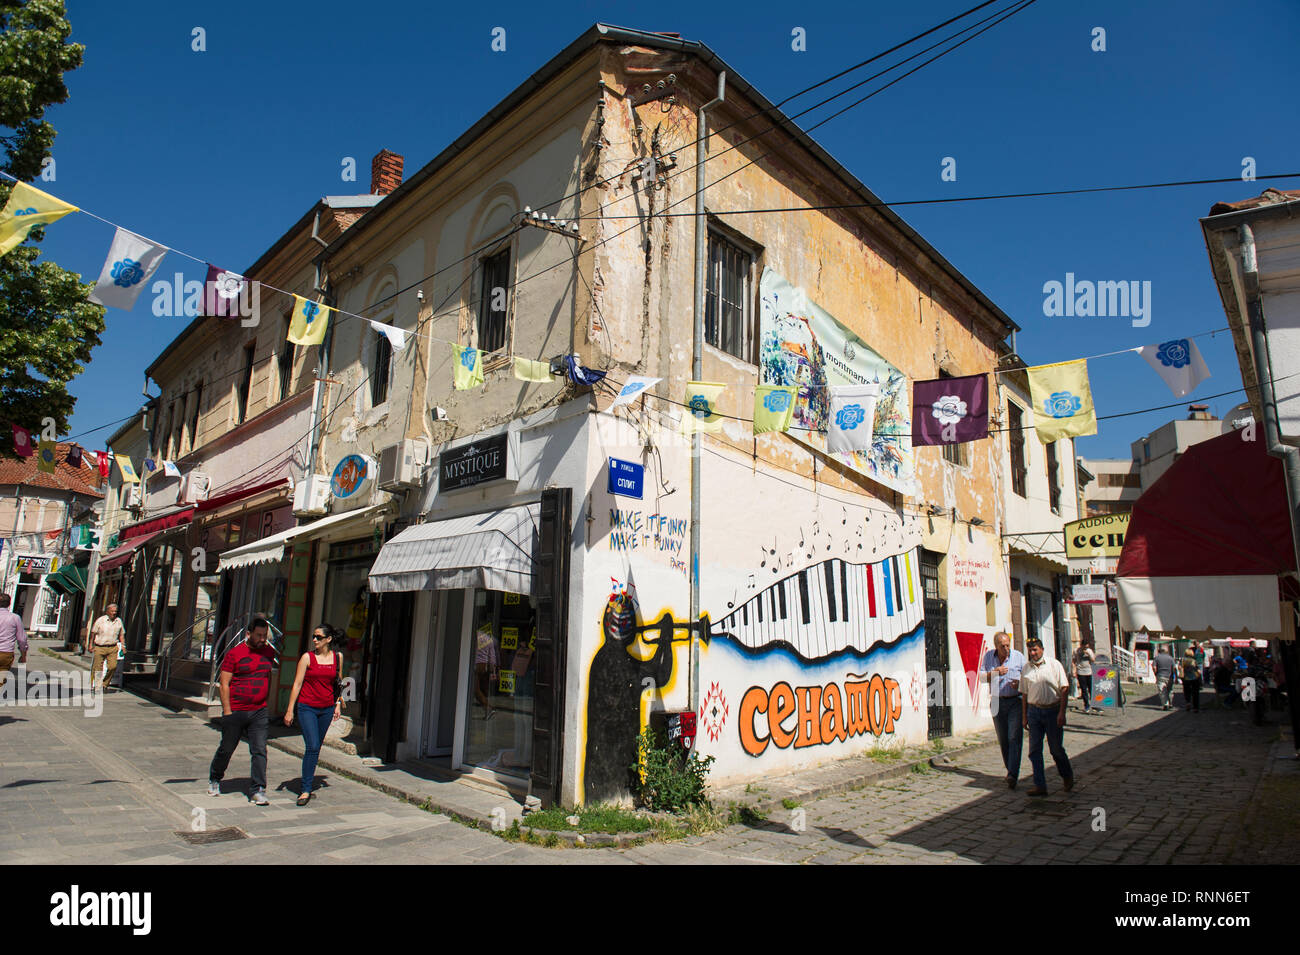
column 245, row 687
column 1164, row 667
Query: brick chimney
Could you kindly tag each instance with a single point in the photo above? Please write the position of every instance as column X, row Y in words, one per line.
column 385, row 172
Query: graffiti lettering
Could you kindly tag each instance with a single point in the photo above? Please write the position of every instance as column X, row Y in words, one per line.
column 823, row 714
column 632, row 530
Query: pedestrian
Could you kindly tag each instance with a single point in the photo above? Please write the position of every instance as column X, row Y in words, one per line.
column 12, row 637
column 245, row 688
column 1223, row 688
column 1046, row 690
column 317, row 693
column 1000, row 669
column 1164, row 666
column 1191, row 682
column 106, row 635
column 1083, row 661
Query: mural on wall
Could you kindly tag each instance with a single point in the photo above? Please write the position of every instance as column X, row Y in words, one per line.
column 803, row 346
column 616, row 683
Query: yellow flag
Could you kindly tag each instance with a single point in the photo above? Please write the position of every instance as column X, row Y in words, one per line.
column 45, row 460
column 469, row 367
column 528, row 370
column 701, row 411
column 1062, row 400
column 310, row 320
column 128, row 472
column 27, row 208
column 773, row 408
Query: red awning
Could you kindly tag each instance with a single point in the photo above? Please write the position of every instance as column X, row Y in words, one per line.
column 124, row 552
column 1208, row 541
column 212, row 503
column 161, row 523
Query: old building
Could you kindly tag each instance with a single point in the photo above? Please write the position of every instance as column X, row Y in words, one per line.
column 41, row 567
column 516, row 611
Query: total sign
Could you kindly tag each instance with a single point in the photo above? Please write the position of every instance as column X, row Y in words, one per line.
column 352, row 475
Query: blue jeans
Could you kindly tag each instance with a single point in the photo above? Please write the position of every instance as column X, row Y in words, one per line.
column 314, row 720
column 1009, row 726
column 1043, row 723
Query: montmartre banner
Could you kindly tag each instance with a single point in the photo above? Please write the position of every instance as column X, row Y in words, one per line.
column 803, row 346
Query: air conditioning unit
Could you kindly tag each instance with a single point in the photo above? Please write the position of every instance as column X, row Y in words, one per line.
column 402, row 465
column 134, row 497
column 194, row 488
column 311, row 495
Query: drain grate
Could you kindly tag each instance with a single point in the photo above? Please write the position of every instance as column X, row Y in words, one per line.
column 228, row 834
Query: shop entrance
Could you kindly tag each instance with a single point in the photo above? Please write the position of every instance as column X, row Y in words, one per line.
column 499, row 717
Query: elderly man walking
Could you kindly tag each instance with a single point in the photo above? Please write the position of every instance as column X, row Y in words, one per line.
column 12, row 638
column 1000, row 669
column 1046, row 689
column 106, row 640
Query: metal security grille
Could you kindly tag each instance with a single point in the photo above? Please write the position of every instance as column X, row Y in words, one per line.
column 494, row 302
column 728, row 315
column 936, row 661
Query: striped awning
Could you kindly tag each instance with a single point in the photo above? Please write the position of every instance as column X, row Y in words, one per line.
column 272, row 548
column 491, row 551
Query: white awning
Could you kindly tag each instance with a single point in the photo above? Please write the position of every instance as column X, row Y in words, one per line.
column 272, row 548
column 1199, row 605
column 492, row 551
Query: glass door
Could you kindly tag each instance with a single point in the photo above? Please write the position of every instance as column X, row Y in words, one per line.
column 501, row 671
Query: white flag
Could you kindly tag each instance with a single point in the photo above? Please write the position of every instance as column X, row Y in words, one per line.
column 853, row 417
column 396, row 336
column 636, row 384
column 1178, row 363
column 131, row 262
column 170, row 469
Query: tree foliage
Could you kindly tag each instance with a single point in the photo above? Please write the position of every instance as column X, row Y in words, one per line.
column 47, row 325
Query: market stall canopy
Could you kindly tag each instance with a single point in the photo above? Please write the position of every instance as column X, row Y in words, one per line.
column 68, row 580
column 1207, row 543
column 125, row 552
column 492, row 551
column 272, row 548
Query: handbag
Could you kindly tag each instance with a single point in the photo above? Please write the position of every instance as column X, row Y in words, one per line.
column 338, row 681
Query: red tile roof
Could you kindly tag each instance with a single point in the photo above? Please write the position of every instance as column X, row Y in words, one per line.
column 1268, row 198
column 66, row 477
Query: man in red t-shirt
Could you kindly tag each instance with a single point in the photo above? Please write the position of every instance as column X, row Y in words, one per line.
column 245, row 687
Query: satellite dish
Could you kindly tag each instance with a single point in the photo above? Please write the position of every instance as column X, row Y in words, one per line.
column 1238, row 418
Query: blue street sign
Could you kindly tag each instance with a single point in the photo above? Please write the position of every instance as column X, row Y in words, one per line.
column 626, row 478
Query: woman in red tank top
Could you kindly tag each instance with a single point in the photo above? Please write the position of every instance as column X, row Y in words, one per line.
column 313, row 693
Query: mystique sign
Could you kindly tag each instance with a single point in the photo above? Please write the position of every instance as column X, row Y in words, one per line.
column 475, row 463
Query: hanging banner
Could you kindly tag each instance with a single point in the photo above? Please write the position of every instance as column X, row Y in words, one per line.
column 45, row 460
column 950, row 410
column 1178, row 363
column 132, row 261
column 803, row 346
column 635, row 387
column 26, row 209
column 309, row 323
column 1062, row 400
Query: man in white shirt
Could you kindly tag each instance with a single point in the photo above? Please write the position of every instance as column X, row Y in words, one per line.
column 106, row 641
column 1046, row 689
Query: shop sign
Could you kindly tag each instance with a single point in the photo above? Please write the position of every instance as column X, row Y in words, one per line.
column 626, row 478
column 1105, row 685
column 33, row 565
column 1087, row 594
column 1096, row 536
column 1092, row 565
column 349, row 476
column 475, row 463
column 1112, row 590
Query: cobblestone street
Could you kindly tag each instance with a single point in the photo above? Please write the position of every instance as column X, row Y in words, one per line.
column 118, row 789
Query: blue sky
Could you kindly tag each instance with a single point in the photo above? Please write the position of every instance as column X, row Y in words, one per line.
column 217, row 153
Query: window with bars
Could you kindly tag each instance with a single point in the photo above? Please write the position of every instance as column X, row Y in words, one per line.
column 1053, row 480
column 1016, row 441
column 379, row 370
column 494, row 302
column 285, row 362
column 245, row 385
column 930, row 574
column 728, row 300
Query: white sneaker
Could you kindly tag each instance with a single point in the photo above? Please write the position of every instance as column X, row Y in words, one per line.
column 259, row 798
column 214, row 787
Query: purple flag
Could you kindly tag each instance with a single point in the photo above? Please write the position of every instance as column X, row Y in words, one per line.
column 221, row 293
column 950, row 410
column 74, row 456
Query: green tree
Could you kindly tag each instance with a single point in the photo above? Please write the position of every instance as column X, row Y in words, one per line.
column 47, row 324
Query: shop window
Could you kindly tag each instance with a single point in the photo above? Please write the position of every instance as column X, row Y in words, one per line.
column 494, row 302
column 499, row 730
column 728, row 306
